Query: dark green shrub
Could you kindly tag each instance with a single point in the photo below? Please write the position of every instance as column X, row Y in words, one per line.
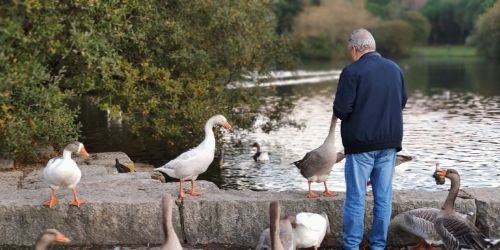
column 420, row 24
column 393, row 38
column 316, row 48
column 487, row 33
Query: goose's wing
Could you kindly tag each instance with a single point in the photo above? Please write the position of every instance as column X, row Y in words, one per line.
column 419, row 222
column 313, row 163
column 184, row 159
column 457, row 232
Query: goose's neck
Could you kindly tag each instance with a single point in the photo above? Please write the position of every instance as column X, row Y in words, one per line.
column 209, row 133
column 449, row 204
column 66, row 154
column 168, row 227
column 258, row 148
column 330, row 139
column 275, row 229
column 42, row 244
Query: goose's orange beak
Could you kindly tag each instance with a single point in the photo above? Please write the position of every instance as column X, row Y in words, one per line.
column 83, row 152
column 441, row 172
column 226, row 125
column 61, row 238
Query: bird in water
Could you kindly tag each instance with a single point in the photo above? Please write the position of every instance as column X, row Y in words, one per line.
column 260, row 156
column 49, row 236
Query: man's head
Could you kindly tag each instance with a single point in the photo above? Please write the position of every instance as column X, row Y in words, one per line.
column 360, row 42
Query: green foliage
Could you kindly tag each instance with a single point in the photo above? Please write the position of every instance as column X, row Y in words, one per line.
column 444, row 51
column 420, row 25
column 487, row 33
column 378, row 8
column 316, row 48
column 286, row 10
column 453, row 20
column 394, row 38
column 164, row 64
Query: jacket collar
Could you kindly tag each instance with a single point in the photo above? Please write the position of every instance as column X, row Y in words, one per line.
column 369, row 54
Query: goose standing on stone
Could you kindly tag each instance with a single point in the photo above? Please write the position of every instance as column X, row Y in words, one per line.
column 192, row 163
column 171, row 240
column 310, row 229
column 260, row 156
column 456, row 231
column 63, row 171
column 48, row 237
column 420, row 222
column 317, row 164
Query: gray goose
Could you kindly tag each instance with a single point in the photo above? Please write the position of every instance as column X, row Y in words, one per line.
column 317, row 164
column 48, row 237
column 281, row 230
column 171, row 241
column 420, row 222
column 455, row 231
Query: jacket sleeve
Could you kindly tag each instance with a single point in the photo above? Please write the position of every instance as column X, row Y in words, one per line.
column 345, row 96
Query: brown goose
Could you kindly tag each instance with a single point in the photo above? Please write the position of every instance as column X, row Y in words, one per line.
column 48, row 237
column 455, row 231
column 281, row 230
column 317, row 164
column 171, row 240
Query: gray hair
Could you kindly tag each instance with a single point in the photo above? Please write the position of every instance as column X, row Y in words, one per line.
column 361, row 40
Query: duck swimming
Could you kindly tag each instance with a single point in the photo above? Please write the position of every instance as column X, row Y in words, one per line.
column 260, row 156
column 192, row 163
column 63, row 171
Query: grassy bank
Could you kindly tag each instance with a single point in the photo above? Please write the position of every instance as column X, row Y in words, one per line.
column 444, row 51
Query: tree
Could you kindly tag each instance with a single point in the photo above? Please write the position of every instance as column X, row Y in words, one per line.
column 393, row 38
column 165, row 64
column 487, row 33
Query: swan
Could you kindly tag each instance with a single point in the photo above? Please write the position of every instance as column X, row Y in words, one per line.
column 63, row 171
column 190, row 164
column 317, row 164
column 49, row 236
column 310, row 229
column 456, row 231
column 171, row 240
column 260, row 156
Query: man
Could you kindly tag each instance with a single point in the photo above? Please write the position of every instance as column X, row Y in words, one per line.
column 369, row 101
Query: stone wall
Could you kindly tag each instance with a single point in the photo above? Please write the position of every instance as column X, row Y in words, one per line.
column 124, row 209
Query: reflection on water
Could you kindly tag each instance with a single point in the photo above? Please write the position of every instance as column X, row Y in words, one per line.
column 452, row 118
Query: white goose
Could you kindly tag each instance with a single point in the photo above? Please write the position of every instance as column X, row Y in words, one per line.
column 63, row 171
column 260, row 156
column 310, row 229
column 190, row 164
column 49, row 236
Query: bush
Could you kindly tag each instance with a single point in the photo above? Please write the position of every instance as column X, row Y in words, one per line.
column 486, row 37
column 316, row 48
column 420, row 25
column 393, row 38
column 165, row 64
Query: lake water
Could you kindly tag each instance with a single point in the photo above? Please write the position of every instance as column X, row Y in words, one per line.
column 452, row 117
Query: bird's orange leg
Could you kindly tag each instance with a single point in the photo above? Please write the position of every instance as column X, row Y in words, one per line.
column 310, row 194
column 192, row 192
column 328, row 193
column 181, row 190
column 52, row 201
column 75, row 201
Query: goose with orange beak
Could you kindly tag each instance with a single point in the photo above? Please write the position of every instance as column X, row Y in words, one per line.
column 63, row 171
column 196, row 161
column 48, row 237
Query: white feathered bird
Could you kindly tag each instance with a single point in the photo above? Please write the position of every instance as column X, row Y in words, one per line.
column 63, row 171
column 192, row 163
column 310, row 229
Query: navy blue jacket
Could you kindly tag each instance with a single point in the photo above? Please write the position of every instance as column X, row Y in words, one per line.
column 369, row 100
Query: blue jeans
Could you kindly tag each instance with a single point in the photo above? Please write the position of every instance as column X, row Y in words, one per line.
column 378, row 166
